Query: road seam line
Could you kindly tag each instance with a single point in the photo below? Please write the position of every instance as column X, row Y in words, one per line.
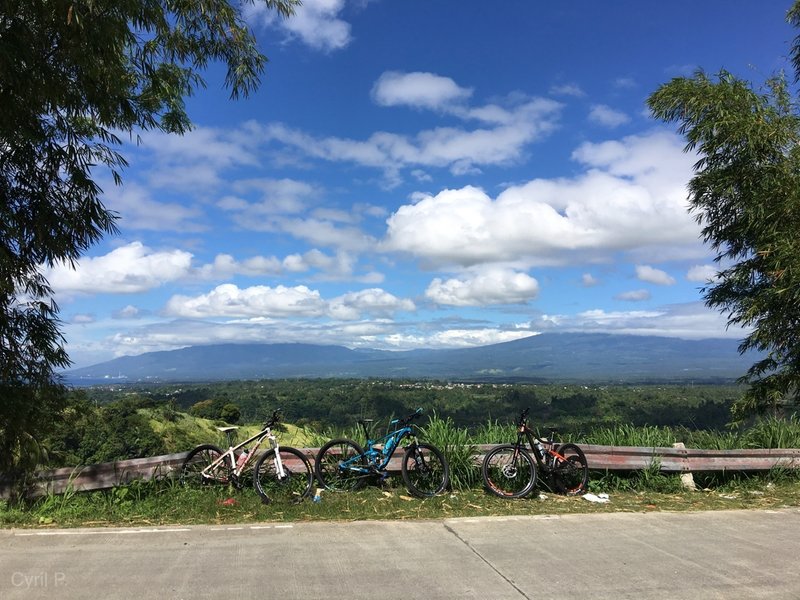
column 490, row 565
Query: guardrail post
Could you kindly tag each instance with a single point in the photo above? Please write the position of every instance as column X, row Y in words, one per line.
column 687, row 479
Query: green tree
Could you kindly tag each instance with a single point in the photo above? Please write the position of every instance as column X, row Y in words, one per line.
column 204, row 409
column 230, row 413
column 74, row 76
column 746, row 195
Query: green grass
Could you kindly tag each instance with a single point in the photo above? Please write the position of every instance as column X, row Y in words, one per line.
column 458, row 448
column 628, row 435
column 768, row 432
column 165, row 503
column 494, row 432
column 185, row 431
column 774, row 433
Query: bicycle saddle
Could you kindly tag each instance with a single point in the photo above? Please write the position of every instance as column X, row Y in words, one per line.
column 227, row 429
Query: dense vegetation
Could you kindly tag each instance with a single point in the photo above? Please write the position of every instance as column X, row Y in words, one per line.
column 115, row 422
column 338, row 403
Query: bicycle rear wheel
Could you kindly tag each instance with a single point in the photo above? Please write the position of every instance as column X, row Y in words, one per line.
column 570, row 470
column 509, row 471
column 198, row 460
column 425, row 470
column 332, row 472
column 293, row 486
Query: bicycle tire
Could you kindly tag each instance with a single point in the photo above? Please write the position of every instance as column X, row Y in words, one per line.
column 425, row 470
column 509, row 471
column 296, row 483
column 327, row 462
column 196, row 462
column 570, row 473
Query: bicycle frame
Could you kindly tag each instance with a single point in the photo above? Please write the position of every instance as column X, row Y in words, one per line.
column 238, row 469
column 378, row 452
column 384, row 448
column 524, row 432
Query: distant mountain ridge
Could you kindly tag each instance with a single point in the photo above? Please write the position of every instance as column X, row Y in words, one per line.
column 568, row 357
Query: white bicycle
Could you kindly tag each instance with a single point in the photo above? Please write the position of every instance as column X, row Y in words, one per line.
column 280, row 473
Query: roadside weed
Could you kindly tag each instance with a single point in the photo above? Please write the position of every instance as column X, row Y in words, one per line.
column 458, row 449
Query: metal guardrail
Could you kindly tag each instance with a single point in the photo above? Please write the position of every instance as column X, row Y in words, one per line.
column 612, row 458
column 689, row 460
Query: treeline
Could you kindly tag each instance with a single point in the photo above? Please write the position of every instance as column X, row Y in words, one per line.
column 335, row 403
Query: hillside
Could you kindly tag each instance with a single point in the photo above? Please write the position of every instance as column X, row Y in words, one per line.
column 185, row 431
column 572, row 357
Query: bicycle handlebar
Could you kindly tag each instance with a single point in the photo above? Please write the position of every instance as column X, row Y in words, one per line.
column 276, row 416
column 406, row 420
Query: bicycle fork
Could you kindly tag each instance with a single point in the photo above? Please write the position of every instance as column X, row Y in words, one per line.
column 279, row 469
column 420, row 463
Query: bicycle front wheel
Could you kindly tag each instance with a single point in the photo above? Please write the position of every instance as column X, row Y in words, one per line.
column 339, row 466
column 198, row 460
column 425, row 470
column 289, row 480
column 509, row 471
column 570, row 470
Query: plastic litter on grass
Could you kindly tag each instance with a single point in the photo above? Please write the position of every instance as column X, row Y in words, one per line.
column 598, row 498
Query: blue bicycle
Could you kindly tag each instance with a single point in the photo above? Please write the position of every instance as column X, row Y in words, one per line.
column 343, row 465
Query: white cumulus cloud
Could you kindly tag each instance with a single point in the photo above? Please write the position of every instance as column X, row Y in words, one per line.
column 498, row 286
column 589, row 280
column 264, row 302
column 632, row 198
column 691, row 320
column 374, row 302
column 607, row 116
column 316, row 23
column 455, row 338
column 228, row 300
column 702, row 274
column 652, row 275
column 125, row 270
column 421, row 90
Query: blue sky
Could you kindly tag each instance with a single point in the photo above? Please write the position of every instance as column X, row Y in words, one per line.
column 422, row 174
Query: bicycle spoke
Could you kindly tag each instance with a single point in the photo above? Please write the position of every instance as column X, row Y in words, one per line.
column 509, row 472
column 425, row 470
column 196, row 468
column 284, row 476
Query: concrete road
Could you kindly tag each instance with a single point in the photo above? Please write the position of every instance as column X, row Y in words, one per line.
column 727, row 555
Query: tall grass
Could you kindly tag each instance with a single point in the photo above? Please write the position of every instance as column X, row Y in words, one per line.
column 458, row 448
column 354, row 432
column 711, row 440
column 628, row 435
column 772, row 432
column 493, row 432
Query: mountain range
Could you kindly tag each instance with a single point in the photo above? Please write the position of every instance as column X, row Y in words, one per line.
column 567, row 357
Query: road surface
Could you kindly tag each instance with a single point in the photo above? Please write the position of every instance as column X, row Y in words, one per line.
column 726, row 555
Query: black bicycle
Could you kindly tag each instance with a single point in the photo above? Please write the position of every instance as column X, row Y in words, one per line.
column 510, row 470
column 342, row 464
